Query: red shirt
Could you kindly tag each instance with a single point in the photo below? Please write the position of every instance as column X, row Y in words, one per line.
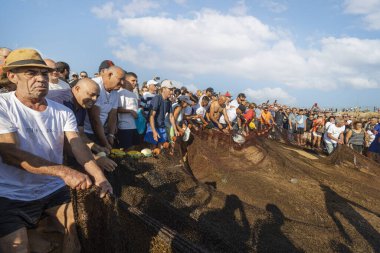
column 249, row 114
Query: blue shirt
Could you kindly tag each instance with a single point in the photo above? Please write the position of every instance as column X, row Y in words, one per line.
column 299, row 119
column 79, row 113
column 162, row 108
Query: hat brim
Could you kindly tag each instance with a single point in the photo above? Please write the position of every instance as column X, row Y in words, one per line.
column 35, row 65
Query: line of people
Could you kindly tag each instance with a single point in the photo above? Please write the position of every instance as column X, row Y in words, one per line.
column 56, row 134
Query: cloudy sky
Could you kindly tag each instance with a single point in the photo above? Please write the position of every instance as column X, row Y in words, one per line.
column 296, row 51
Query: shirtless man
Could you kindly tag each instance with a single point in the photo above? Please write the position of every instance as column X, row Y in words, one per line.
column 217, row 109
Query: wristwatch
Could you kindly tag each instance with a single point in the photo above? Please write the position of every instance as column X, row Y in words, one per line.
column 111, row 135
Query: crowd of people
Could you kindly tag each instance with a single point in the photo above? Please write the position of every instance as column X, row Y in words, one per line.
column 56, row 131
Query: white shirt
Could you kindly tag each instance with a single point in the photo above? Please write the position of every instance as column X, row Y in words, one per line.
column 147, row 95
column 234, row 104
column 106, row 102
column 60, row 95
column 127, row 100
column 40, row 133
column 200, row 111
column 335, row 131
column 231, row 114
column 61, row 85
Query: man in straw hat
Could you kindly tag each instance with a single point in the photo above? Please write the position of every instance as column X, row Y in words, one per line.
column 33, row 181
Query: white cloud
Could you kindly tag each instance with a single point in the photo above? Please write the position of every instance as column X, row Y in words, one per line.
column 192, row 87
column 213, row 43
column 105, row 11
column 240, row 9
column 274, row 6
column 369, row 9
column 262, row 95
column 133, row 9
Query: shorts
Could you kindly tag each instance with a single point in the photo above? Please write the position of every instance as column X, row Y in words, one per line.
column 16, row 214
column 127, row 138
column 300, row 130
column 316, row 134
column 161, row 132
column 358, row 148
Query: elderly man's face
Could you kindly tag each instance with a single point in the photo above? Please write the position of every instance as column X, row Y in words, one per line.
column 116, row 79
column 32, row 82
column 86, row 95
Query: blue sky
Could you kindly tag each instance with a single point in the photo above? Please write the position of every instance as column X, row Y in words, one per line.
column 299, row 52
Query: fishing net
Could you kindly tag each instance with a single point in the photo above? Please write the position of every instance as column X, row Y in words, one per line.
column 260, row 196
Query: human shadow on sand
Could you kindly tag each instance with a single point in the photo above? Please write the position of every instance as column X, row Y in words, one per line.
column 267, row 234
column 337, row 204
column 233, row 228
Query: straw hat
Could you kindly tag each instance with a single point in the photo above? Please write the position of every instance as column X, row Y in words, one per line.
column 24, row 57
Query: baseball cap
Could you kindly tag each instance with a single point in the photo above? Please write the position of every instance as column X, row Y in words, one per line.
column 185, row 99
column 151, row 82
column 167, row 84
column 227, row 94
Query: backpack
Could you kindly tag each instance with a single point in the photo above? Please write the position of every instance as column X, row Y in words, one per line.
column 140, row 121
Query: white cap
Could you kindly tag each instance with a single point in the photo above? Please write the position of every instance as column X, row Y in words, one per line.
column 150, row 82
column 167, row 84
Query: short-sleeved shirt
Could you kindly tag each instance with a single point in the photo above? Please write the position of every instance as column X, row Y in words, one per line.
column 335, row 132
column 231, row 114
column 234, row 104
column 292, row 118
column 162, row 108
column 146, row 102
column 300, row 120
column 106, row 102
column 39, row 133
column 266, row 117
column 61, row 85
column 127, row 100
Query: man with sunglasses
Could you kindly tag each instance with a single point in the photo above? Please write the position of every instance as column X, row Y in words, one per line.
column 33, row 180
column 54, row 82
column 240, row 100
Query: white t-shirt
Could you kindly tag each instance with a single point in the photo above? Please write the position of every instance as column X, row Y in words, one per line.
column 106, row 102
column 61, row 85
column 231, row 114
column 127, row 100
column 234, row 104
column 39, row 133
column 335, row 131
column 60, row 95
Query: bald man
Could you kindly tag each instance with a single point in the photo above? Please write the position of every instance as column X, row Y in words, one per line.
column 54, row 82
column 105, row 109
column 79, row 99
column 218, row 108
